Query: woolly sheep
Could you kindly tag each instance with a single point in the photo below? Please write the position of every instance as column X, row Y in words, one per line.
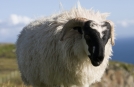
column 70, row 49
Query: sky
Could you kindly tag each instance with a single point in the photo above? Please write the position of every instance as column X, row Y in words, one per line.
column 15, row 14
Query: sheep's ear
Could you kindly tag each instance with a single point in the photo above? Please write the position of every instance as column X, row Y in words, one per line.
column 112, row 32
column 70, row 33
column 78, row 29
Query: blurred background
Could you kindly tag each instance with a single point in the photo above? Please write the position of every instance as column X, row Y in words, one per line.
column 16, row 14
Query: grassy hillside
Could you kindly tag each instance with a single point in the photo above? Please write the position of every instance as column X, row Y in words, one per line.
column 9, row 75
column 7, row 51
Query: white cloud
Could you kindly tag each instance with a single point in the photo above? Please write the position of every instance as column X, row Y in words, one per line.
column 0, row 21
column 126, row 23
column 10, row 27
column 124, row 29
column 16, row 19
column 4, row 32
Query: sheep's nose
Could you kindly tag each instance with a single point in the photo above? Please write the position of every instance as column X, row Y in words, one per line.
column 96, row 61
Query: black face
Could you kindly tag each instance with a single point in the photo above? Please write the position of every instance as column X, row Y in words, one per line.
column 96, row 44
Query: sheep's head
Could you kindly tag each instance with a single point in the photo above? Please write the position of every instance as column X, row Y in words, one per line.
column 95, row 36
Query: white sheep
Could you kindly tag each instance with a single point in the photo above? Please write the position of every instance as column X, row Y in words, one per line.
column 70, row 49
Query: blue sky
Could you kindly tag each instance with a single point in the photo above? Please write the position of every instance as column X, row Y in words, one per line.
column 15, row 14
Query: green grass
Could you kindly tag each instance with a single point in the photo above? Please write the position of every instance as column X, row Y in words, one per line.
column 8, row 65
column 7, row 51
column 121, row 65
column 7, row 68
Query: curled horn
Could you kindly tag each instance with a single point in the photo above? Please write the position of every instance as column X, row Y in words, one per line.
column 112, row 32
column 70, row 24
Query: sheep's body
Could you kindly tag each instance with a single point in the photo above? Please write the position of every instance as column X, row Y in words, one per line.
column 45, row 61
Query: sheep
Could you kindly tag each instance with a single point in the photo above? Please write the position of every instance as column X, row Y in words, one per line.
column 69, row 49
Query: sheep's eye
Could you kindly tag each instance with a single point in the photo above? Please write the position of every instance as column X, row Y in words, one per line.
column 92, row 25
